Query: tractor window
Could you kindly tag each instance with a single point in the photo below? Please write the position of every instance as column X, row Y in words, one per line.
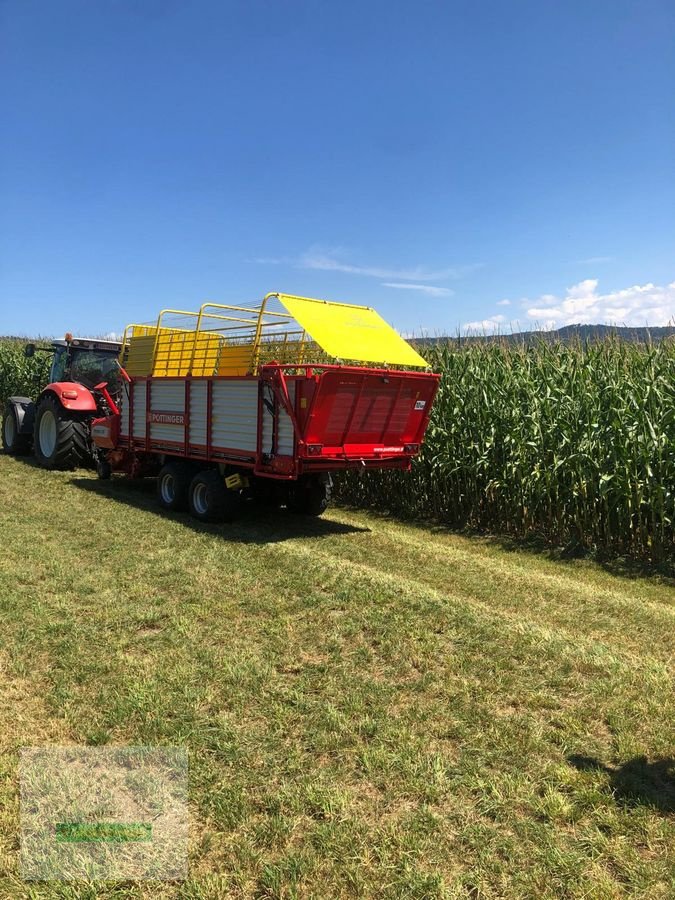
column 59, row 363
column 90, row 367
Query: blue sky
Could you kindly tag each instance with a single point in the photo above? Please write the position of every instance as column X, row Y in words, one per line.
column 431, row 159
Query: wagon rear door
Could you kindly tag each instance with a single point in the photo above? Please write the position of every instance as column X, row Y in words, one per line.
column 366, row 413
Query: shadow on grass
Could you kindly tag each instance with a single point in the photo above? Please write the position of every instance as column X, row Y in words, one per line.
column 27, row 459
column 279, row 526
column 636, row 782
column 254, row 525
column 623, row 567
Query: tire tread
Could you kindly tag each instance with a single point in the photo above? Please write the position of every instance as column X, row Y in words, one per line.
column 22, row 442
column 72, row 438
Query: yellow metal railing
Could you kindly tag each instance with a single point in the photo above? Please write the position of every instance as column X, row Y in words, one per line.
column 220, row 339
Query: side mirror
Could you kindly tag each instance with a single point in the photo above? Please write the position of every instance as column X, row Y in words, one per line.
column 29, row 350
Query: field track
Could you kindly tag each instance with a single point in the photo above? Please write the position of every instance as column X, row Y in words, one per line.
column 370, row 708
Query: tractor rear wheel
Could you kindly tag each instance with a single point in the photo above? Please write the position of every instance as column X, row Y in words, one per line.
column 210, row 500
column 13, row 442
column 310, row 496
column 173, row 485
column 60, row 439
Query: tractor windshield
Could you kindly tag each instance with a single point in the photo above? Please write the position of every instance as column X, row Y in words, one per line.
column 59, row 364
column 90, row 367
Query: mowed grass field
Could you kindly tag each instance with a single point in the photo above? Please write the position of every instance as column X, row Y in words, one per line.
column 370, row 708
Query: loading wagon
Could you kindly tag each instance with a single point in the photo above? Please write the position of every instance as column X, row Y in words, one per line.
column 265, row 400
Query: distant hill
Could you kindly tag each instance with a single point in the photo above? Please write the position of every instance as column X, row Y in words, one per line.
column 566, row 335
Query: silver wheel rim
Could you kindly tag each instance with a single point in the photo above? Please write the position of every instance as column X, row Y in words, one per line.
column 199, row 499
column 167, row 488
column 47, row 433
column 10, row 430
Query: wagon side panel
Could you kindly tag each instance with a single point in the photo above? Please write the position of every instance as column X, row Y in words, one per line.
column 198, row 410
column 278, row 436
column 234, row 415
column 167, row 411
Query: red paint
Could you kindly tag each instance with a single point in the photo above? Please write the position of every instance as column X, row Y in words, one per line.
column 342, row 417
column 105, row 432
column 72, row 396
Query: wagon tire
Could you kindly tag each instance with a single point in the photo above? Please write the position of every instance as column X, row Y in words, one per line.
column 210, row 500
column 266, row 493
column 13, row 442
column 310, row 497
column 173, row 486
column 60, row 438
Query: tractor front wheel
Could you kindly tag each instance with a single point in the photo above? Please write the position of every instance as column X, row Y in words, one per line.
column 60, row 439
column 13, row 442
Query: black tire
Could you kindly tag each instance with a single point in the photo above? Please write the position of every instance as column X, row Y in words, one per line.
column 310, row 496
column 266, row 493
column 103, row 469
column 209, row 500
column 173, row 485
column 13, row 443
column 60, row 438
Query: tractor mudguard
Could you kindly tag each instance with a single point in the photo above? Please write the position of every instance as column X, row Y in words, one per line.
column 24, row 411
column 72, row 396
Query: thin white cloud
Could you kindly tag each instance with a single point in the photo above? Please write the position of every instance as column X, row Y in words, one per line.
column 271, row 260
column 430, row 289
column 639, row 305
column 503, row 303
column 489, row 325
column 594, row 260
column 332, row 260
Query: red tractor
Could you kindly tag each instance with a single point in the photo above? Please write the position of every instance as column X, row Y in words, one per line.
column 57, row 424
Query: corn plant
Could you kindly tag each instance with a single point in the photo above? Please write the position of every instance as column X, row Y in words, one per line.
column 19, row 375
column 575, row 444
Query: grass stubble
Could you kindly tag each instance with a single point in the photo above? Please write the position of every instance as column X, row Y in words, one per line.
column 370, row 708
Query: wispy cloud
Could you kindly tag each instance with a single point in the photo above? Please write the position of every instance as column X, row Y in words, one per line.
column 430, row 289
column 489, row 325
column 647, row 304
column 333, row 260
column 594, row 260
column 503, row 303
column 272, row 260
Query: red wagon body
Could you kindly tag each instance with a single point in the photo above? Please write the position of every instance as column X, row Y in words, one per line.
column 283, row 422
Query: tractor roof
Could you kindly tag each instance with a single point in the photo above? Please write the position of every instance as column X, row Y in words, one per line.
column 89, row 344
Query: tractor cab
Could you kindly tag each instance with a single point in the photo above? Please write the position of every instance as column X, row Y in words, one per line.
column 86, row 361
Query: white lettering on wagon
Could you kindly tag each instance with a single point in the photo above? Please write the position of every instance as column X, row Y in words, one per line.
column 166, row 418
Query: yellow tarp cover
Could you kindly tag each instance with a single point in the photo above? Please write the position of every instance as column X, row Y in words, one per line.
column 351, row 332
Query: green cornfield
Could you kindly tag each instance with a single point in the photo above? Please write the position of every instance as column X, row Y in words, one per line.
column 570, row 444
column 19, row 375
